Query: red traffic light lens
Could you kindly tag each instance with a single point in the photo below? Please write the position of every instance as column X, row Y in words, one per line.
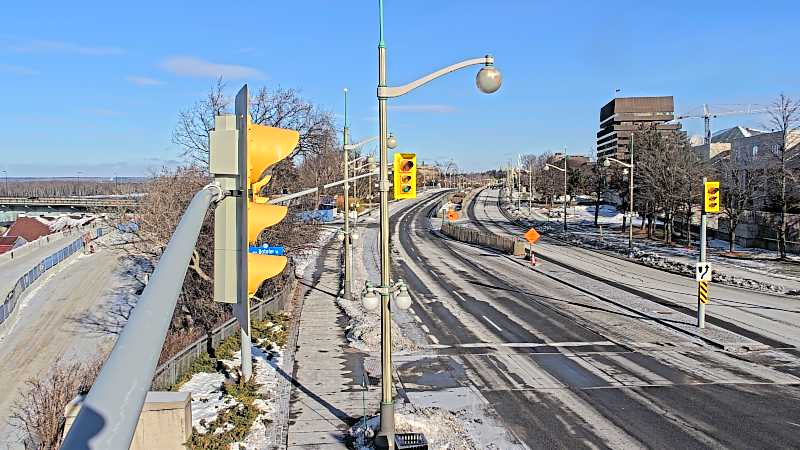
column 406, row 165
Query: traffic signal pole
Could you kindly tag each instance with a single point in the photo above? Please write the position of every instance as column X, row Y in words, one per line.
column 241, row 309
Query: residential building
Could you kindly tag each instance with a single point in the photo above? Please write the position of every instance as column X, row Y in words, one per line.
column 620, row 117
column 29, row 228
column 722, row 141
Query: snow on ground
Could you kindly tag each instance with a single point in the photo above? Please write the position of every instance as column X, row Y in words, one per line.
column 207, row 398
column 443, row 429
column 762, row 274
column 68, row 222
column 302, row 261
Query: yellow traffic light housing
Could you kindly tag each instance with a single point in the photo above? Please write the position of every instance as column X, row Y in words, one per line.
column 266, row 146
column 405, row 175
column 711, row 196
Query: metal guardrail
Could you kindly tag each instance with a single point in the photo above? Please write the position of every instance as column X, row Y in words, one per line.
column 11, row 299
column 109, row 414
column 472, row 236
column 70, row 201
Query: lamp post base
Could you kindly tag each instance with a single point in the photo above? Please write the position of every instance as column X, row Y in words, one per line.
column 385, row 438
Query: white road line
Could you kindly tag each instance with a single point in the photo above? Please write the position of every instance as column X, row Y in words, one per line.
column 434, row 274
column 433, row 339
column 530, row 344
column 416, row 317
column 492, row 323
column 459, row 296
column 425, row 328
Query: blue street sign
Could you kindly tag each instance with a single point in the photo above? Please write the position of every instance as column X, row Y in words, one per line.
column 265, row 250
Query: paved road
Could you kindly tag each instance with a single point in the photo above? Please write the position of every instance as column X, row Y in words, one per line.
column 26, row 259
column 565, row 368
column 770, row 319
column 42, row 328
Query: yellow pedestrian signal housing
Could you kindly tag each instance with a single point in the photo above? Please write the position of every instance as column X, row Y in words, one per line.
column 711, row 196
column 266, row 146
column 405, row 175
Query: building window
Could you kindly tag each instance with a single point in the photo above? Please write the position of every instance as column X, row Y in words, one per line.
column 755, row 151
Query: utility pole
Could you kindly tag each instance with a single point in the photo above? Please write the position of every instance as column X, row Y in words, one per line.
column 530, row 188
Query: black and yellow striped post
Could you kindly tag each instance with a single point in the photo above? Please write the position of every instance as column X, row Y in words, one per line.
column 702, row 292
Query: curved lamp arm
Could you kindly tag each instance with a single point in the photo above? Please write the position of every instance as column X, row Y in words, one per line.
column 555, row 167
column 390, row 92
column 360, row 144
column 623, row 164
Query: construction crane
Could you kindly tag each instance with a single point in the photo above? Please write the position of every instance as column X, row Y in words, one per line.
column 721, row 110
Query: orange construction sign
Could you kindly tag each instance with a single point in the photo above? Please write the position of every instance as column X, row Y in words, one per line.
column 452, row 215
column 532, row 236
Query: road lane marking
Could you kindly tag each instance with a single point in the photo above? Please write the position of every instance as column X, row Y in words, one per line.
column 433, row 338
column 434, row 274
column 492, row 323
column 425, row 328
column 528, row 344
column 459, row 296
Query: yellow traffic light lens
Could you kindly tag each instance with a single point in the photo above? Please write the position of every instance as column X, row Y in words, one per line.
column 405, row 178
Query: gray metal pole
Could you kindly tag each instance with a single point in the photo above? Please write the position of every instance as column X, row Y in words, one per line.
column 565, row 191
column 701, row 307
column 241, row 309
column 387, row 402
column 346, row 205
column 110, row 412
column 630, row 204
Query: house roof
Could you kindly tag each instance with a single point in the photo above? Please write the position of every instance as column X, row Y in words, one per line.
column 8, row 240
column 29, row 228
column 737, row 132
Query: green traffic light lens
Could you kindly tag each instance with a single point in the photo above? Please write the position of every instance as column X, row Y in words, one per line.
column 406, row 188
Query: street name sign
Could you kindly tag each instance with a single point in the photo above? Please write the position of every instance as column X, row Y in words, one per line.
column 266, row 250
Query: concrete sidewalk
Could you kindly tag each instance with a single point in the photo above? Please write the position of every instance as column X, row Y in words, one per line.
column 327, row 396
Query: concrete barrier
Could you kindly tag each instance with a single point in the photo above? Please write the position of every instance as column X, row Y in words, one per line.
column 165, row 422
column 504, row 244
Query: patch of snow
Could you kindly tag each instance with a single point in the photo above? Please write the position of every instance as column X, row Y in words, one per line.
column 207, row 398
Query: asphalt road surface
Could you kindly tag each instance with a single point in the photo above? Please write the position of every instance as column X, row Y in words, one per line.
column 566, row 365
column 44, row 327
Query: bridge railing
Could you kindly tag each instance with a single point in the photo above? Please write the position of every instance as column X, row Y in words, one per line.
column 110, row 412
column 68, row 201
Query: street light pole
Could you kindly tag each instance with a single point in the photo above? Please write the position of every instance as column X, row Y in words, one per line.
column 346, row 206
column 547, row 166
column 488, row 80
column 629, row 167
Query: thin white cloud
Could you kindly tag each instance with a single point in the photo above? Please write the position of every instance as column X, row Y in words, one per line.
column 143, row 81
column 37, row 46
column 18, row 70
column 433, row 108
column 195, row 67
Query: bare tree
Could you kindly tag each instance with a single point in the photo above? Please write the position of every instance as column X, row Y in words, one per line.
column 282, row 108
column 739, row 186
column 664, row 167
column 38, row 413
column 784, row 117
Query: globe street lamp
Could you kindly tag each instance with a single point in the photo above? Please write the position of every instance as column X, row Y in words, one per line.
column 488, row 80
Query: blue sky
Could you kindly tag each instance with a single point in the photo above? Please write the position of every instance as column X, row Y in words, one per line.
column 96, row 87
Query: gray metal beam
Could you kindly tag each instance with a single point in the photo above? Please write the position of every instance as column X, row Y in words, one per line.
column 110, row 412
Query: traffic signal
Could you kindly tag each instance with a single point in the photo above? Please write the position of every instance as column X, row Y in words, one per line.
column 266, row 146
column 711, row 196
column 405, row 175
